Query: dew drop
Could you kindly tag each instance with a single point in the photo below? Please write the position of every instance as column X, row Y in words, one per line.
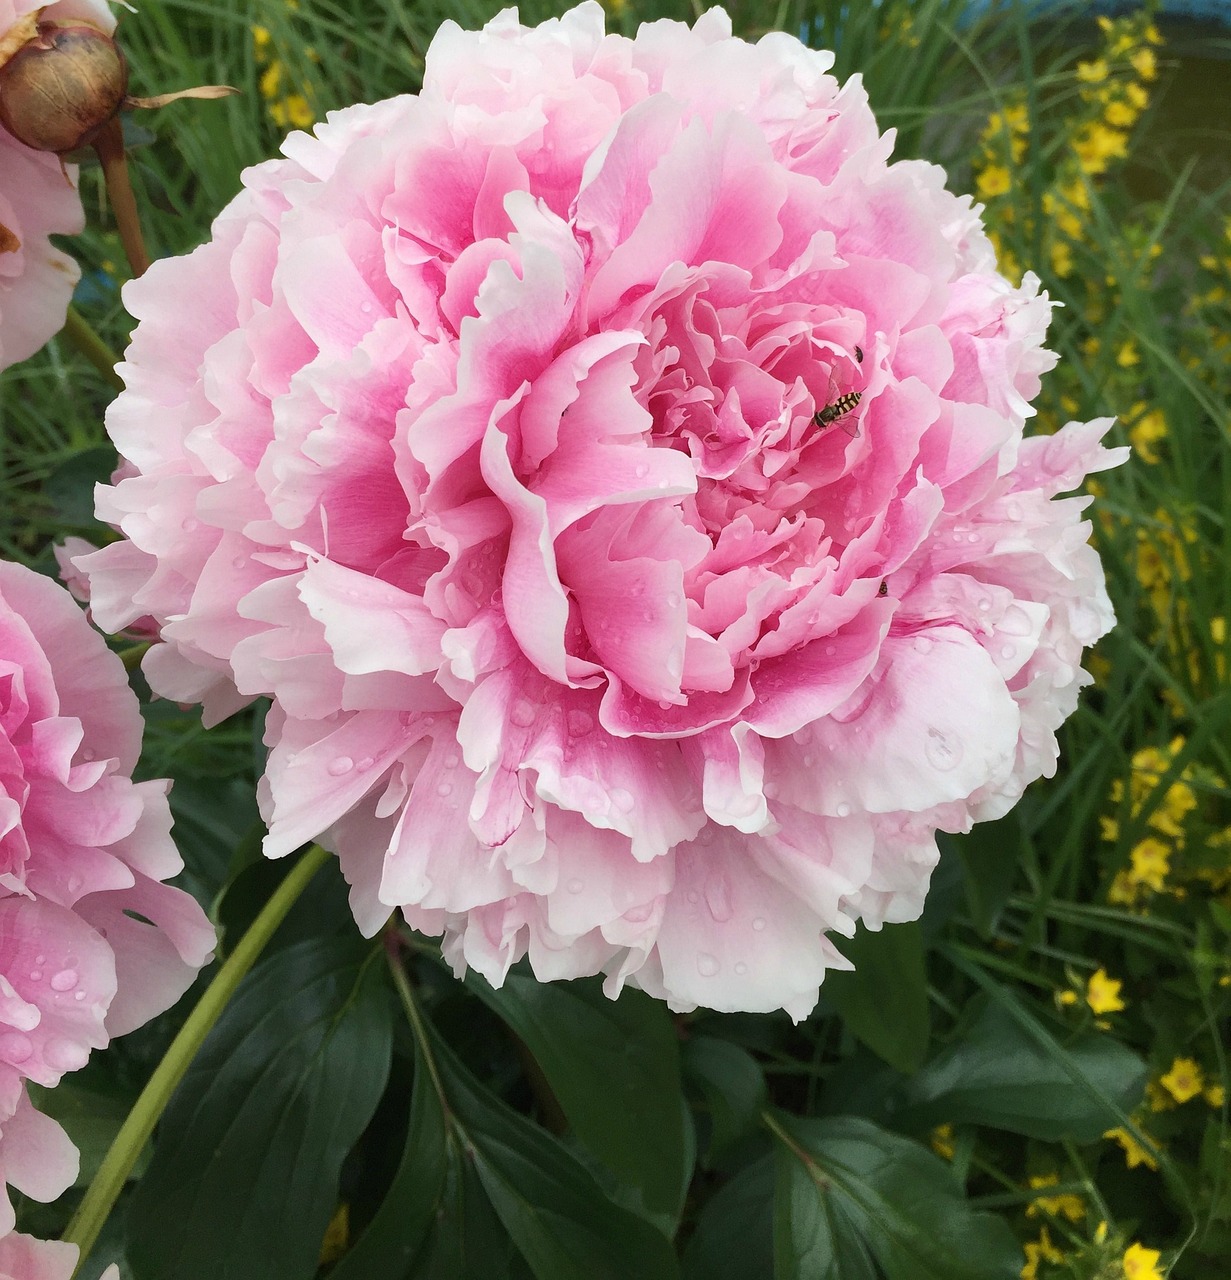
column 575, row 885
column 365, row 764
column 580, row 723
column 972, row 537
column 803, row 736
column 623, row 800
column 984, row 604
column 758, row 923
column 190, row 525
column 366, row 308
column 1007, row 651
column 522, row 714
column 843, row 810
column 718, row 898
column 65, row 980
column 923, row 645
column 693, row 896
column 808, row 760
column 78, row 995
column 445, row 789
column 707, row 965
column 741, row 968
column 239, row 562
column 340, row 765
column 673, row 599
column 942, row 750
column 830, row 650
column 40, row 959
column 36, row 975
column 1013, row 511
column 65, row 1055
column 15, row 1048
column 642, row 470
column 452, row 761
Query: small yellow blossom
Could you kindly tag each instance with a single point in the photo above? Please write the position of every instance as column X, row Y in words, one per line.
column 1127, row 356
column 261, row 41
column 1036, row 1251
column 1145, row 63
column 1092, row 72
column 1149, row 428
column 1151, row 863
column 1103, row 993
column 1122, row 891
column 271, row 81
column 1138, row 96
column 1141, row 1263
column 942, row 1141
column 1070, row 1206
column 1184, row 1080
column 1062, row 258
column 1096, row 144
column 1109, row 829
column 1067, row 998
column 1215, row 1095
column 994, row 181
column 1158, row 1097
column 1123, row 115
column 1135, row 1153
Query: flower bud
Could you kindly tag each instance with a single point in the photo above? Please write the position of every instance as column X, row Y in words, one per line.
column 61, row 87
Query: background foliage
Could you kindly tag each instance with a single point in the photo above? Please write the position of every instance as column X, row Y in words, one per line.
column 1030, row 1080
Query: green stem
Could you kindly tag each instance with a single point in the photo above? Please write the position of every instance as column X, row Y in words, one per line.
column 131, row 657
column 407, row 996
column 118, row 1163
column 78, row 331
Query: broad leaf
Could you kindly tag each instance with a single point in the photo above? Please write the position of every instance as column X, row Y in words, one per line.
column 613, row 1065
column 885, row 1000
column 245, row 1174
column 733, row 1239
column 1008, row 1070
column 732, row 1084
column 855, row 1202
column 558, row 1216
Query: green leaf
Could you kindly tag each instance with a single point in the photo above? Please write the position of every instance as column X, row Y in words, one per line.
column 245, row 1174
column 733, row 1239
column 989, row 856
column 558, row 1216
column 415, row 1199
column 732, row 1084
column 1008, row 1070
column 855, row 1202
column 885, row 1000
column 614, row 1068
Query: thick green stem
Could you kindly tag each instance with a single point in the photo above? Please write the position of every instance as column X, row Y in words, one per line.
column 113, row 1173
column 78, row 331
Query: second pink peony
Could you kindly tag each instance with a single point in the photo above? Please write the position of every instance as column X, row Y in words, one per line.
column 612, row 466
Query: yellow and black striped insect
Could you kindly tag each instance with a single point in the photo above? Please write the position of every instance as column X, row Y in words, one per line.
column 838, row 409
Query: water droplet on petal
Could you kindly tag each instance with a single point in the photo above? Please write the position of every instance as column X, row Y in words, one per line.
column 445, row 789
column 1007, row 651
column 65, row 1055
column 65, row 980
column 340, row 765
column 78, row 995
column 239, row 562
column 190, row 525
column 642, row 470
column 718, row 898
column 40, row 959
column 365, row 764
column 923, row 644
column 693, row 896
column 943, row 750
column 707, row 965
column 15, row 1048
column 984, row 604
column 36, row 975
column 623, row 800
column 842, row 809
column 972, row 537
column 575, row 885
column 452, row 760
column 522, row 714
column 758, row 923
column 580, row 723
column 741, row 968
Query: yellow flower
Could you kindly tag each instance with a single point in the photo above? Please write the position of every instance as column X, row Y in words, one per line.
column 994, row 181
column 1017, row 118
column 1071, row 1206
column 1184, row 1080
column 1103, row 993
column 1066, row 998
column 1141, row 1263
column 1092, row 72
column 1137, row 95
column 1215, row 1095
column 1158, row 1097
column 1123, row 115
column 260, row 41
column 298, row 113
column 1146, row 432
column 1151, row 862
column 1135, row 1153
column 1109, row 829
column 1122, row 890
column 1127, row 356
column 942, row 1141
column 1062, row 258
column 1096, row 144
column 271, row 81
column 1036, row 1251
column 1145, row 63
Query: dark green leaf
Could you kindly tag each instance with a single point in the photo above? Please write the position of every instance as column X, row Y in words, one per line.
column 885, row 1000
column 989, row 856
column 733, row 1239
column 416, row 1196
column 245, row 1174
column 613, row 1065
column 558, row 1216
column 1008, row 1070
column 853, row 1201
column 732, row 1084
column 70, row 487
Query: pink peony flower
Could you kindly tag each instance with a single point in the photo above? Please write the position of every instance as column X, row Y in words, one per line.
column 38, row 198
column 612, row 467
column 92, row 943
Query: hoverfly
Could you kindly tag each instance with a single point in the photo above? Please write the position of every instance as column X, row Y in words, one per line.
column 840, row 407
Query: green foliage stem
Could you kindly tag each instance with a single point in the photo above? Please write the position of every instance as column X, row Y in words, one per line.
column 78, row 331
column 118, row 1163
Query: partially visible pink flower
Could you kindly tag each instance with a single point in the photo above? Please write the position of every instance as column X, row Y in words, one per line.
column 38, row 199
column 25, row 1258
column 92, row 942
column 78, row 584
column 504, row 447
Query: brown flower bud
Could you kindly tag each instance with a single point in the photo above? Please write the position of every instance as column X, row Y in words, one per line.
column 61, row 87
